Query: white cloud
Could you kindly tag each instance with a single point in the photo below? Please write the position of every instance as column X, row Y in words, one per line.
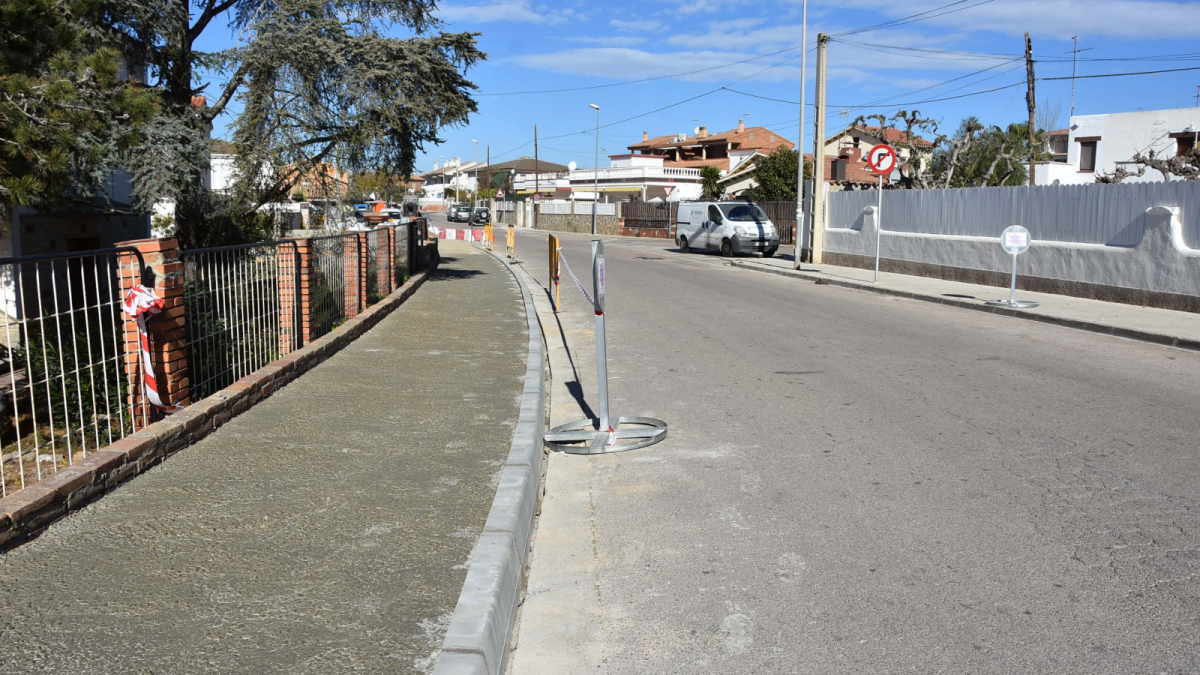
column 626, row 63
column 1131, row 19
column 522, row 11
column 610, row 40
column 636, row 24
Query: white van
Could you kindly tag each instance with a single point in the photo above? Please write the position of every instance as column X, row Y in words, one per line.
column 729, row 227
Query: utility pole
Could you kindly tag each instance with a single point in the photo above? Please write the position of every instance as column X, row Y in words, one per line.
column 489, row 166
column 1198, row 96
column 799, row 238
column 1074, row 62
column 1031, row 103
column 818, row 196
column 537, row 186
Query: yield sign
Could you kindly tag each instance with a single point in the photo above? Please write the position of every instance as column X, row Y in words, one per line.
column 669, row 190
column 881, row 159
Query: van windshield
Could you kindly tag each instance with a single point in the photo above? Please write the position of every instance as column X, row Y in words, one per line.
column 743, row 212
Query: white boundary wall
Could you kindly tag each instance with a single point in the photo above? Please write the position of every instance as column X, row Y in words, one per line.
column 1140, row 236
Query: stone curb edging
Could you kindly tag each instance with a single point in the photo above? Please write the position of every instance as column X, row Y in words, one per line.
column 477, row 639
column 1091, row 326
column 26, row 514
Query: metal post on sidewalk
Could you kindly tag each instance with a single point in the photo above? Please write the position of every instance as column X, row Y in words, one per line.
column 603, row 434
column 1015, row 240
column 878, row 227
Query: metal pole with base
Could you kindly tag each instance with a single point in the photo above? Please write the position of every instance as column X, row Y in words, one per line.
column 878, row 226
column 1015, row 240
column 602, row 435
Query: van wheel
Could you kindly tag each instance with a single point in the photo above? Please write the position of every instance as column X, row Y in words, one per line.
column 769, row 252
column 726, row 249
column 683, row 245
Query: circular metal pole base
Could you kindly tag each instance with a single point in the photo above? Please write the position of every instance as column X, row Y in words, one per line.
column 1016, row 304
column 584, row 437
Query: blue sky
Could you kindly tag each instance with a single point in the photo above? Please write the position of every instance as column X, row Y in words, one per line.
column 535, row 46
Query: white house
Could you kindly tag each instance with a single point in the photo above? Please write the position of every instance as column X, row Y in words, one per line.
column 1098, row 144
column 635, row 174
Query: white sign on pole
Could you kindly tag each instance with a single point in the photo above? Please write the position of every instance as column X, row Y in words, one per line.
column 1015, row 240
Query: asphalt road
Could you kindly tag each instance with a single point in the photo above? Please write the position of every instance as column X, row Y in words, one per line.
column 855, row 483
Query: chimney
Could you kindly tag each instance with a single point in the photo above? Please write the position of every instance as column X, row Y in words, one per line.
column 703, row 133
column 645, row 136
column 435, row 166
column 741, row 126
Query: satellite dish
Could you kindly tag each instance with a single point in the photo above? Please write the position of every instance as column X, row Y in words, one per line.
column 696, row 131
column 571, row 166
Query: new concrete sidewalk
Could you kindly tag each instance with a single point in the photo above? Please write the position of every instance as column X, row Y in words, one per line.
column 1161, row 326
column 323, row 531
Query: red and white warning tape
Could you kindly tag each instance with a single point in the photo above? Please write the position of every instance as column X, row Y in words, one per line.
column 141, row 302
column 458, row 234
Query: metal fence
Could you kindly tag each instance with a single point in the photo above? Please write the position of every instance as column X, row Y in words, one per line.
column 239, row 304
column 329, row 282
column 372, row 253
column 64, row 390
column 783, row 216
column 403, row 254
column 649, row 214
column 1088, row 214
column 555, row 207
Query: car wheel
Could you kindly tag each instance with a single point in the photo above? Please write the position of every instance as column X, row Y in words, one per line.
column 769, row 252
column 683, row 245
column 726, row 249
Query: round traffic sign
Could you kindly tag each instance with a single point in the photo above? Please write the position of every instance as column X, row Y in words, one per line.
column 1015, row 239
column 881, row 159
column 537, row 197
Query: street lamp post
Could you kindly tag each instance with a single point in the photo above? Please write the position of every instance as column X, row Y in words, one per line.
column 801, row 227
column 596, row 171
column 475, row 192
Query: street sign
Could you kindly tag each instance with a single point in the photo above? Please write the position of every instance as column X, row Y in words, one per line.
column 882, row 159
column 1015, row 240
column 668, row 190
column 500, row 194
column 537, row 198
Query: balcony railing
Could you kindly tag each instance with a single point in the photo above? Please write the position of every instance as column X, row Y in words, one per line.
column 635, row 173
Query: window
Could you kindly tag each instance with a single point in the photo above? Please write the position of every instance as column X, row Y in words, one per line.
column 1087, row 153
column 1184, row 145
column 743, row 212
column 714, row 214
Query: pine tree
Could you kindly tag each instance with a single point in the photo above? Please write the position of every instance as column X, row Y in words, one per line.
column 66, row 119
column 319, row 82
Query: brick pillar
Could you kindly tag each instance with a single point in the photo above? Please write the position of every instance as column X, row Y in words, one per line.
column 385, row 260
column 354, row 249
column 294, row 263
column 167, row 330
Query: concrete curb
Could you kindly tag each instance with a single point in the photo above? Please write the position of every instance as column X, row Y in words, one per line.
column 1094, row 327
column 477, row 638
column 27, row 513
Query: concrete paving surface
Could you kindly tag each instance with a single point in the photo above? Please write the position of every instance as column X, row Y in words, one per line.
column 859, row 483
column 323, row 531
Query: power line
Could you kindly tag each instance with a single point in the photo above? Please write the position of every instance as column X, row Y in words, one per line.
column 928, row 14
column 645, row 79
column 1144, row 72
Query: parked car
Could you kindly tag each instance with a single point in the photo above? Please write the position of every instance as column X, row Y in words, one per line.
column 730, row 227
column 459, row 213
column 481, row 215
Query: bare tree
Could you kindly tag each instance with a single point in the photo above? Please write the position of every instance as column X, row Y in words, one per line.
column 1185, row 166
column 1048, row 113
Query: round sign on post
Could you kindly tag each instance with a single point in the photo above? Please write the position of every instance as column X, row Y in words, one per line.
column 1015, row 241
column 881, row 159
